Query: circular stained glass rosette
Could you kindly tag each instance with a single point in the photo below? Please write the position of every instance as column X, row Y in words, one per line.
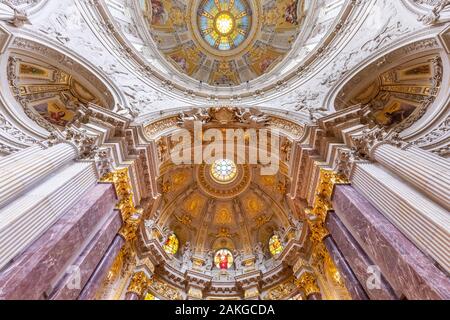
column 224, row 171
column 224, row 24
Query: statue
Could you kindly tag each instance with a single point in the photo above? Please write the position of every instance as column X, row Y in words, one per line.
column 188, row 118
column 151, row 222
column 252, row 117
column 238, row 255
column 314, row 113
column 209, row 260
column 259, row 254
column 187, row 255
column 297, row 224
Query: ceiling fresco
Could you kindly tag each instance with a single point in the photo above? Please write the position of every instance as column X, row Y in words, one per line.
column 224, row 42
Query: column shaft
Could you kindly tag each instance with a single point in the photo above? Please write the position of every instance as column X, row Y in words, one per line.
column 423, row 222
column 422, row 170
column 25, row 169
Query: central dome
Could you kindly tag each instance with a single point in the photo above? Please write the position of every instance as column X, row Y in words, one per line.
column 224, row 25
column 221, row 43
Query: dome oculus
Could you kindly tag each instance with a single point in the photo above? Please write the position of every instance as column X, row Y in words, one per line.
column 224, row 171
column 224, row 25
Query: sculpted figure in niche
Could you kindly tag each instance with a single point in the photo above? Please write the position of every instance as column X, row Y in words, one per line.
column 238, row 257
column 151, row 222
column 297, row 224
column 209, row 260
column 259, row 254
column 187, row 255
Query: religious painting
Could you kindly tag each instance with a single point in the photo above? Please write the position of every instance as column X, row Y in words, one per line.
column 54, row 111
column 187, row 58
column 28, row 70
column 275, row 245
column 167, row 14
column 261, row 58
column 394, row 113
column 223, row 259
column 416, row 72
column 172, row 244
column 283, row 14
column 224, row 73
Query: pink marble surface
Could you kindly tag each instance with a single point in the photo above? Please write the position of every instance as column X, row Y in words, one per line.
column 351, row 282
column 357, row 260
column 87, row 262
column 30, row 274
column 405, row 267
column 96, row 280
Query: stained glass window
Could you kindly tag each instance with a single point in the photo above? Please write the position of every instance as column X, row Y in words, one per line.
column 275, row 245
column 223, row 259
column 172, row 244
column 224, row 170
column 224, row 24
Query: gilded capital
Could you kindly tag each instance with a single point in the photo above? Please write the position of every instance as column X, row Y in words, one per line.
column 308, row 283
column 139, row 283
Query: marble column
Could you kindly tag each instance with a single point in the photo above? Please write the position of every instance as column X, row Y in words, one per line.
column 86, row 262
column 29, row 216
column 351, row 282
column 31, row 274
column 95, row 282
column 409, row 272
column 422, row 220
column 24, row 169
column 426, row 171
column 357, row 260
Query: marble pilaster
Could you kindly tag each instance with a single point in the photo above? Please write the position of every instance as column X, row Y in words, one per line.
column 357, row 260
column 421, row 220
column 29, row 216
column 30, row 274
column 88, row 260
column 351, row 282
column 406, row 268
column 93, row 285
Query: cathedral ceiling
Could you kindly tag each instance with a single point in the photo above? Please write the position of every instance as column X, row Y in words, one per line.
column 224, row 42
column 213, row 215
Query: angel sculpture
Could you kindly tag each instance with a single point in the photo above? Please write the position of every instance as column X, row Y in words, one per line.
column 252, row 117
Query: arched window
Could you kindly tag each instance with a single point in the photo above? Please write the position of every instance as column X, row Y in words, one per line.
column 223, row 259
column 275, row 245
column 172, row 244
